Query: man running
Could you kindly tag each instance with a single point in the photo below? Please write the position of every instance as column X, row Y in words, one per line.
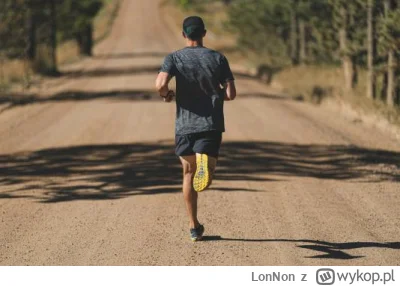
column 203, row 81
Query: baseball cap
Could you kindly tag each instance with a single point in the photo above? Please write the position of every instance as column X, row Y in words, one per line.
column 193, row 25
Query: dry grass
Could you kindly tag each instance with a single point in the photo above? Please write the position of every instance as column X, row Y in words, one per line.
column 67, row 52
column 13, row 72
column 328, row 80
column 302, row 80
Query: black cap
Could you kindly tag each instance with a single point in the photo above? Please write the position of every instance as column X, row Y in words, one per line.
column 193, row 25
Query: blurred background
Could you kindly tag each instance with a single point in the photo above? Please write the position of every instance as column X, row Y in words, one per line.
column 37, row 36
column 348, row 49
column 313, row 49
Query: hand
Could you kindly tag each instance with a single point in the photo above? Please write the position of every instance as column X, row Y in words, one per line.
column 170, row 95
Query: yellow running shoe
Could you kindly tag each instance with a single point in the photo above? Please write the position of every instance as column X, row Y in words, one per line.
column 201, row 178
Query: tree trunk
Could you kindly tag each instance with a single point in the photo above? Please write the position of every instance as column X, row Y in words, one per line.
column 390, row 96
column 390, row 87
column 88, row 36
column 84, row 40
column 31, row 34
column 354, row 78
column 53, row 37
column 79, row 42
column 370, row 74
column 302, row 41
column 347, row 62
column 293, row 37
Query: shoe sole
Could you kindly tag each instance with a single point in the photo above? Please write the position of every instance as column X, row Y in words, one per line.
column 201, row 178
column 197, row 239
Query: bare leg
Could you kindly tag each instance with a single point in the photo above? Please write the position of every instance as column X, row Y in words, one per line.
column 189, row 194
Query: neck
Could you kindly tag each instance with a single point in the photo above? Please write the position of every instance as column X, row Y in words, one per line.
column 191, row 43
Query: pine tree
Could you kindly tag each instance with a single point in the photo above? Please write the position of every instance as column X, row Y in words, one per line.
column 347, row 63
column 76, row 22
column 294, row 52
column 31, row 31
column 349, row 20
column 390, row 88
column 53, row 36
column 371, row 50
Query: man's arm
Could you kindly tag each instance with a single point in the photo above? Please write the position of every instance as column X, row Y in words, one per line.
column 162, row 82
column 167, row 71
column 227, row 80
column 230, row 90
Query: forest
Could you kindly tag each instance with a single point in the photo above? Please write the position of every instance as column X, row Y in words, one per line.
column 31, row 30
column 360, row 36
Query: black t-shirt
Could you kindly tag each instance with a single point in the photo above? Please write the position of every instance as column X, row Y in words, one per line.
column 199, row 73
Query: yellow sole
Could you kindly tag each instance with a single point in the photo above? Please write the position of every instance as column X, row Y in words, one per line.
column 201, row 178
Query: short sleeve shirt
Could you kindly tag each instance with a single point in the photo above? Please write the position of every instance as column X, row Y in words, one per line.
column 199, row 73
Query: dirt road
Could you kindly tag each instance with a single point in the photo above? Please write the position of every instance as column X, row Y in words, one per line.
column 88, row 175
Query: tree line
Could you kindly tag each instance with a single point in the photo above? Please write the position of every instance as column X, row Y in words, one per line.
column 32, row 29
column 355, row 34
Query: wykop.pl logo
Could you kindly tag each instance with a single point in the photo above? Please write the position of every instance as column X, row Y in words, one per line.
column 325, row 276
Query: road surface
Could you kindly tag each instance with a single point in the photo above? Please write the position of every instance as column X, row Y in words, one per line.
column 88, row 175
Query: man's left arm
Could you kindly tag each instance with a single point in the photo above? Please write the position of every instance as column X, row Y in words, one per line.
column 227, row 80
column 230, row 90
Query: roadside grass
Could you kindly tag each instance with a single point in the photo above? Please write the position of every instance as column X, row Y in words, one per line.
column 18, row 74
column 14, row 72
column 317, row 84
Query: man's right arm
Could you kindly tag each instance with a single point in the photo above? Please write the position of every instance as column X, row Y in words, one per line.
column 167, row 71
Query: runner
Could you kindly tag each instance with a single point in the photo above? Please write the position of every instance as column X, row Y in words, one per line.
column 203, row 81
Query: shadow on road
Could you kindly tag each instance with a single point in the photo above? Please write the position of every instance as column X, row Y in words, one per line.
column 330, row 250
column 131, row 55
column 265, row 95
column 13, row 100
column 109, row 72
column 16, row 100
column 101, row 172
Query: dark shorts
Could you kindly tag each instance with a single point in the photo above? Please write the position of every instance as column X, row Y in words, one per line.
column 205, row 143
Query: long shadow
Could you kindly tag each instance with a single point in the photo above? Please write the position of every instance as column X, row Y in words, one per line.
column 101, row 172
column 15, row 100
column 264, row 95
column 107, row 72
column 265, row 74
column 135, row 70
column 130, row 55
column 330, row 250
